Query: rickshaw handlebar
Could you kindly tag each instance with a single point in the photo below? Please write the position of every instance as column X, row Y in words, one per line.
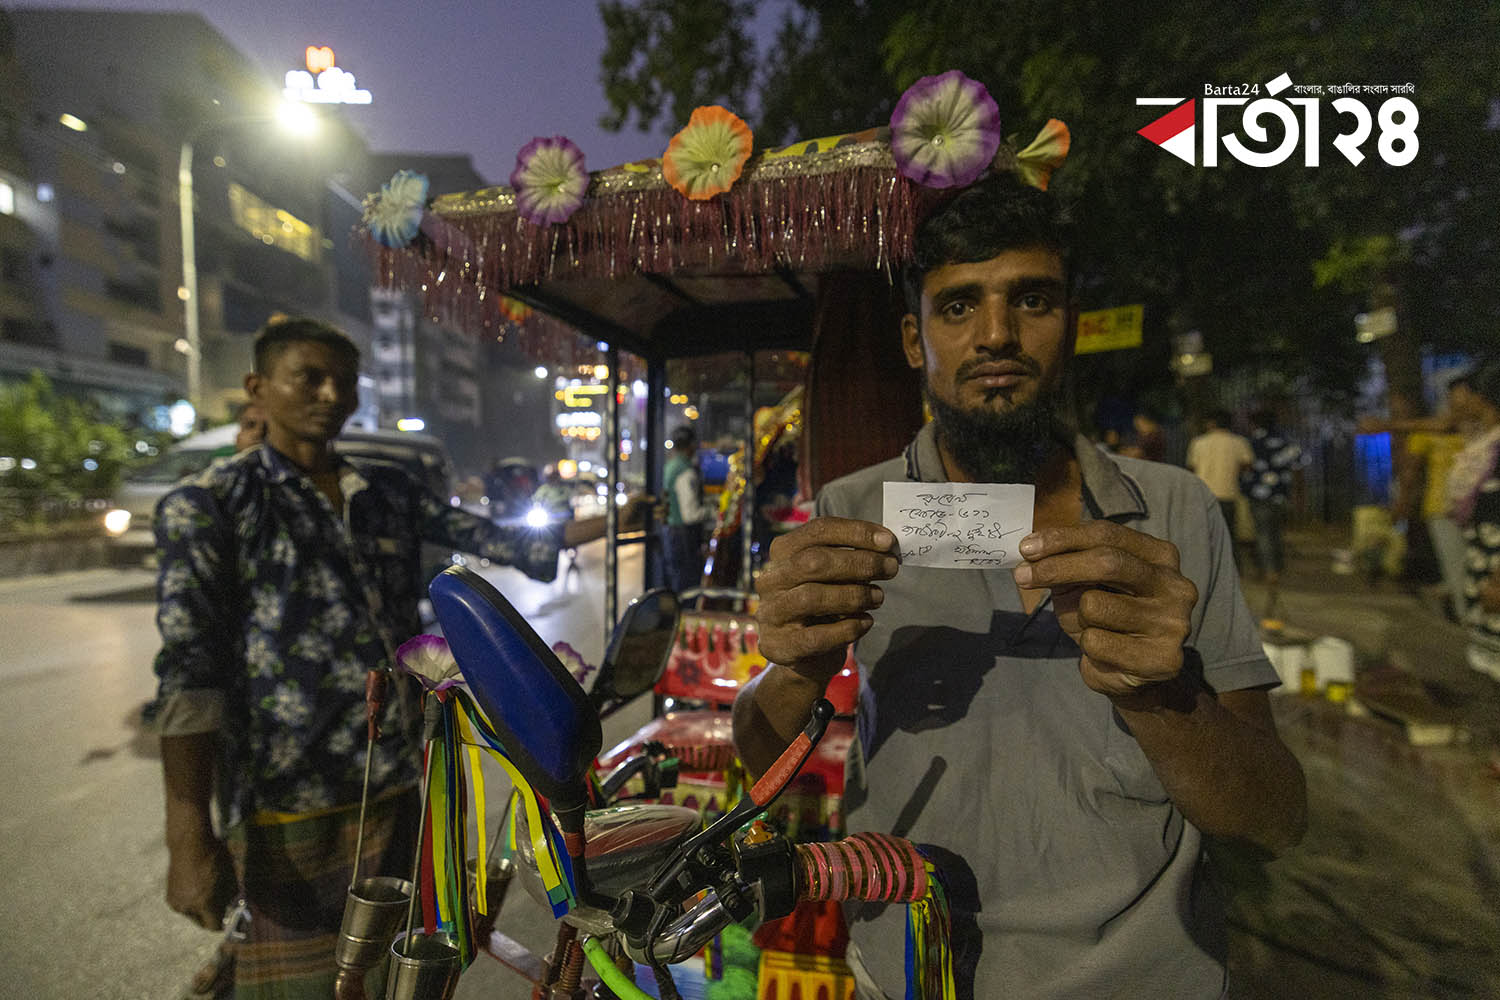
column 776, row 875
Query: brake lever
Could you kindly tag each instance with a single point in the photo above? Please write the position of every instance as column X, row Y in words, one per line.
column 761, row 795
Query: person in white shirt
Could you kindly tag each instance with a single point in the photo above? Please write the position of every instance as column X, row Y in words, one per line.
column 1218, row 456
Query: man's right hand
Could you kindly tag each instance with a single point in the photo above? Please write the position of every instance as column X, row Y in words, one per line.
column 817, row 590
column 200, row 880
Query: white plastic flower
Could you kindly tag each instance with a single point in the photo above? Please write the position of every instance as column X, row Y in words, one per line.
column 395, row 214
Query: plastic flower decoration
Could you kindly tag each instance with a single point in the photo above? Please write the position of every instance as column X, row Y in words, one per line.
column 428, row 659
column 707, row 156
column 549, row 180
column 394, row 215
column 574, row 661
column 1047, row 152
column 945, row 130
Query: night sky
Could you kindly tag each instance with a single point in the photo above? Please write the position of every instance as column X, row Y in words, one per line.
column 446, row 77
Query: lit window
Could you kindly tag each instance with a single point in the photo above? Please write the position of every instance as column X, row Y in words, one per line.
column 271, row 225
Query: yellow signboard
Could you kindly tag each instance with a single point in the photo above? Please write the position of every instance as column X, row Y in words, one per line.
column 1110, row 329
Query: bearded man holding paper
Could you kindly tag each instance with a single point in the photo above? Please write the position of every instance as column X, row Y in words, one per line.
column 1059, row 724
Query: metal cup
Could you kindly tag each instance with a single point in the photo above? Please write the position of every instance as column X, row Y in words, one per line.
column 423, row 967
column 500, row 873
column 373, row 911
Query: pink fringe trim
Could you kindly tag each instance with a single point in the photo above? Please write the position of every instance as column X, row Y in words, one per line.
column 854, row 218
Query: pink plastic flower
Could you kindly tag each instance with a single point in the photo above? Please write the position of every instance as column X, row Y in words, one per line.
column 549, row 180
column 945, row 130
column 428, row 659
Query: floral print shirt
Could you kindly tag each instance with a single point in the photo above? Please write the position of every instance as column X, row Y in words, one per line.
column 272, row 608
column 1269, row 477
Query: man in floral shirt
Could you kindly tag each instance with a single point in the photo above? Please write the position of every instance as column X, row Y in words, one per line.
column 286, row 574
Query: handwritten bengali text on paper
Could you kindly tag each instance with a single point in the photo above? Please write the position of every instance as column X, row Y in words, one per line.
column 959, row 525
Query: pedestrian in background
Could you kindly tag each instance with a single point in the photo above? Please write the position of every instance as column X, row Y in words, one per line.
column 1148, row 439
column 286, row 573
column 1475, row 486
column 687, row 515
column 252, row 421
column 1434, row 444
column 251, row 431
column 1219, row 456
column 1267, row 483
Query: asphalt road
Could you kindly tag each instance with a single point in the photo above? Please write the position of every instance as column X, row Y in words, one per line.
column 81, row 844
column 1392, row 894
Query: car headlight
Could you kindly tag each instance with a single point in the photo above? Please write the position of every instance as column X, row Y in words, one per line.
column 117, row 521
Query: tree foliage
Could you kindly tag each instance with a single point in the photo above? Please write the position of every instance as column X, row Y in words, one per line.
column 662, row 58
column 54, row 455
column 1271, row 264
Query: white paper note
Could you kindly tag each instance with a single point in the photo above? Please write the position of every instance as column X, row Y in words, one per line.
column 959, row 525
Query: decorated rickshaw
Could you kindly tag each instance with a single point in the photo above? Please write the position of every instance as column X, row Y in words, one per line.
column 717, row 247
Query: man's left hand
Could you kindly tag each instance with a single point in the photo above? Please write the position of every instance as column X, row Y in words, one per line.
column 1118, row 593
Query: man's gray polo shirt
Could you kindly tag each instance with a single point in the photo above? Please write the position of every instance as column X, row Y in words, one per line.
column 1069, row 871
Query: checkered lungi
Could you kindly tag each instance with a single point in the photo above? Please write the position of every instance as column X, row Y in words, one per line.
column 294, row 872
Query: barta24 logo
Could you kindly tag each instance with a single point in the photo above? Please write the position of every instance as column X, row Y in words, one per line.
column 1294, row 122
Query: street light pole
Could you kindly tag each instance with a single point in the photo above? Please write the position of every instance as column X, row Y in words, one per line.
column 293, row 117
column 189, row 294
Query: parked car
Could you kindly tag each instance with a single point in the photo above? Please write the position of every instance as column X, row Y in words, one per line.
column 128, row 522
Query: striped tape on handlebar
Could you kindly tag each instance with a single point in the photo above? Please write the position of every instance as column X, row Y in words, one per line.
column 872, row 867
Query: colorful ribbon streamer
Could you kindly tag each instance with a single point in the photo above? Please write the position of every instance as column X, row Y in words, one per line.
column 552, row 861
column 447, row 898
column 929, row 943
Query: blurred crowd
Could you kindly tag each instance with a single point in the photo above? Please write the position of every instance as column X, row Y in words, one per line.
column 1443, row 512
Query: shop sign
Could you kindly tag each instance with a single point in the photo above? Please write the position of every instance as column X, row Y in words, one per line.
column 323, row 82
column 1110, row 329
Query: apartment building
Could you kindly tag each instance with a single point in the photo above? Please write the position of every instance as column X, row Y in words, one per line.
column 96, row 108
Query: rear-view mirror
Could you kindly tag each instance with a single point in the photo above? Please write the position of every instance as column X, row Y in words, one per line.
column 638, row 650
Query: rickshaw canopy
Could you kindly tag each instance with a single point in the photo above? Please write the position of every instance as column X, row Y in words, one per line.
column 644, row 268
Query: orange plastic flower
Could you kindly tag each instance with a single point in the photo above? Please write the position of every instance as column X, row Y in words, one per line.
column 707, row 156
column 1047, row 152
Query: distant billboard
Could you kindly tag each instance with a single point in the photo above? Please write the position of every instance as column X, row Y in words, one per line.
column 1110, row 329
